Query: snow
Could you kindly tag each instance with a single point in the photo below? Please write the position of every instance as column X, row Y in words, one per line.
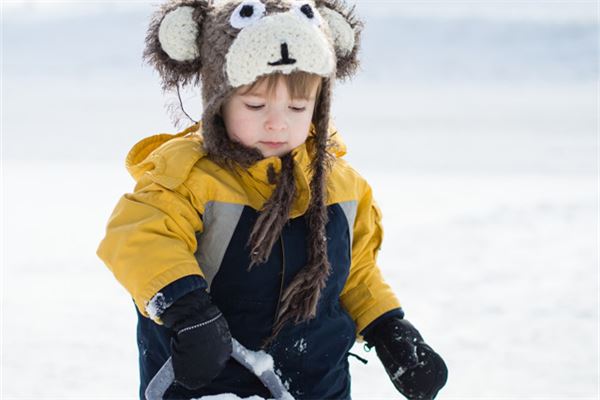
column 490, row 198
column 399, row 372
column 157, row 305
column 260, row 361
column 300, row 345
column 229, row 396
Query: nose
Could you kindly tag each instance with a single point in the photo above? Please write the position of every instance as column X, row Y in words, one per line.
column 275, row 122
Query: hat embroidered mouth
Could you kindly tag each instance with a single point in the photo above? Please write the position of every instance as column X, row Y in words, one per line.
column 285, row 59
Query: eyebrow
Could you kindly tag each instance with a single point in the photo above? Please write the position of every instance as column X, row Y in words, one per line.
column 254, row 94
column 263, row 96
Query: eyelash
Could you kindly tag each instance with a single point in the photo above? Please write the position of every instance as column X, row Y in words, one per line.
column 256, row 108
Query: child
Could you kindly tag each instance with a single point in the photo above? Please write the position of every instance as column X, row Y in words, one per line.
column 256, row 207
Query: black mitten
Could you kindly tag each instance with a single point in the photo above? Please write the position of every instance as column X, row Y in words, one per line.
column 416, row 370
column 202, row 342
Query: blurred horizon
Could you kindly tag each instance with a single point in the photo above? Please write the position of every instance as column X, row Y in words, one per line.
column 478, row 76
column 545, row 10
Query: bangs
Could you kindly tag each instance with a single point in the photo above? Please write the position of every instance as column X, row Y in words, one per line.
column 299, row 84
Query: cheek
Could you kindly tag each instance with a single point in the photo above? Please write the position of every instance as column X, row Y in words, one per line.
column 300, row 132
column 241, row 128
column 306, row 121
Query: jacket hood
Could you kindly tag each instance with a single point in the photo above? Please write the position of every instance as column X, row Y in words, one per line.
column 182, row 150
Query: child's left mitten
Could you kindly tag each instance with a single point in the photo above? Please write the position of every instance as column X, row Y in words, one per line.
column 414, row 368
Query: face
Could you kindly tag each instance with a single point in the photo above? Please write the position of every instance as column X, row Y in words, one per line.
column 274, row 124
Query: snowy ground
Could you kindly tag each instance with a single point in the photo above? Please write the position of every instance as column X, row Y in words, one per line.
column 497, row 271
column 490, row 202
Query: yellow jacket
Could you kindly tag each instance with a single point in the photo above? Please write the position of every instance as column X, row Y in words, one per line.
column 152, row 235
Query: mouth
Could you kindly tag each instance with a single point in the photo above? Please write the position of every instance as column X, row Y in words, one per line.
column 283, row 61
column 273, row 145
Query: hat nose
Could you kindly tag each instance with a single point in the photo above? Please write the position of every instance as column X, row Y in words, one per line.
column 285, row 57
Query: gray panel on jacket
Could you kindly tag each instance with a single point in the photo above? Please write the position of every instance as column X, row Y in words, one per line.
column 349, row 208
column 219, row 220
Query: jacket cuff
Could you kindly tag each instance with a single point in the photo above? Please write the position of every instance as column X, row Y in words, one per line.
column 397, row 312
column 173, row 292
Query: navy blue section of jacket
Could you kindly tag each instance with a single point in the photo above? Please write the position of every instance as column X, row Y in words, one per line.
column 312, row 356
column 397, row 313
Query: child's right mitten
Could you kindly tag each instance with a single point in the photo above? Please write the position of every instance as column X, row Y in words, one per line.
column 202, row 342
column 414, row 368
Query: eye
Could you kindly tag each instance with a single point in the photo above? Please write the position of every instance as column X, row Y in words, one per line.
column 306, row 11
column 247, row 13
column 298, row 109
column 254, row 107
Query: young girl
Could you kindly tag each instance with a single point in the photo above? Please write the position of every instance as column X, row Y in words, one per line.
column 250, row 225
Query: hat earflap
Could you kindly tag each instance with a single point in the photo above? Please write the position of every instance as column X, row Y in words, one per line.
column 346, row 29
column 173, row 42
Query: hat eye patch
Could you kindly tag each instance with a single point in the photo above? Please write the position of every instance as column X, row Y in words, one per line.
column 307, row 12
column 247, row 13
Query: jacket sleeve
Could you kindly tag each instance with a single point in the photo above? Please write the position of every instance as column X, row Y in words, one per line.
column 150, row 240
column 366, row 295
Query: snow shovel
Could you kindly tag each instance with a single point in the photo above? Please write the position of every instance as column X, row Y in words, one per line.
column 259, row 363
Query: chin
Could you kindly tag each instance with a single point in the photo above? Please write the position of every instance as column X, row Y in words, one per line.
column 278, row 153
column 274, row 154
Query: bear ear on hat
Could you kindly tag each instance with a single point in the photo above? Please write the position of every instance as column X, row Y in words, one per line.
column 173, row 42
column 346, row 29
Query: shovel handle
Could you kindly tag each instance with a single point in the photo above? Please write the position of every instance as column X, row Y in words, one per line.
column 161, row 381
column 165, row 376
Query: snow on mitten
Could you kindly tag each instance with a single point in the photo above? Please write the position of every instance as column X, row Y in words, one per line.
column 415, row 369
column 202, row 342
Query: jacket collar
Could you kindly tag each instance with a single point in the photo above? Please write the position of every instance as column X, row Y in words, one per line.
column 175, row 154
column 302, row 158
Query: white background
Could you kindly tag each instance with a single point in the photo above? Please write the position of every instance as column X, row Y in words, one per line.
column 475, row 122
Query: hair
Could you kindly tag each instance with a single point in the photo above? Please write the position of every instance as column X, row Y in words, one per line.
column 275, row 211
column 299, row 84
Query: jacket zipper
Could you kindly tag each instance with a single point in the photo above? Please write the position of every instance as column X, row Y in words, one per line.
column 282, row 280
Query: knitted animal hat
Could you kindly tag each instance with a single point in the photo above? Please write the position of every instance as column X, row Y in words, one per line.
column 225, row 44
